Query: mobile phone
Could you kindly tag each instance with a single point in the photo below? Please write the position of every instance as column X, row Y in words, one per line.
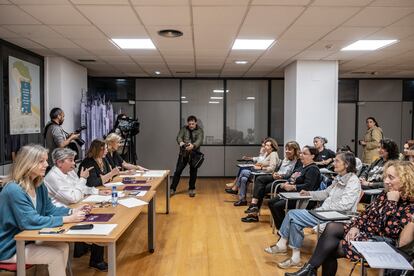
column 81, row 227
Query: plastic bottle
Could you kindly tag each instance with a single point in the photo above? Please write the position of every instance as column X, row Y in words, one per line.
column 114, row 196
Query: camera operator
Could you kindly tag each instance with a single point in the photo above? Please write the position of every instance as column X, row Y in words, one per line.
column 55, row 136
column 189, row 139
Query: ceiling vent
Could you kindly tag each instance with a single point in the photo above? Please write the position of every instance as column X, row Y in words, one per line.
column 86, row 60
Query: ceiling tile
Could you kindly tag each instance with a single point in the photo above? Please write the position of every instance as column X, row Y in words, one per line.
column 56, row 43
column 100, row 2
column 164, row 15
column 4, row 33
column 72, row 52
column 393, row 33
column 219, row 2
column 13, row 15
column 110, row 15
column 40, row 2
column 57, row 15
column 4, row 2
column 312, row 54
column 347, row 3
column 214, row 37
column 305, row 33
column 350, row 33
column 329, row 46
column 25, row 43
column 117, row 59
column 407, row 21
column 289, row 45
column 325, row 16
column 378, row 16
column 124, row 31
column 281, row 2
column 32, row 31
column 44, row 52
column 93, row 44
column 393, row 3
column 345, row 55
column 88, row 32
column 208, row 16
column 277, row 54
column 268, row 22
column 159, row 2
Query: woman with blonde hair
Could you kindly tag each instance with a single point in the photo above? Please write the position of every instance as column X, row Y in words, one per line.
column 385, row 217
column 114, row 159
column 101, row 171
column 25, row 205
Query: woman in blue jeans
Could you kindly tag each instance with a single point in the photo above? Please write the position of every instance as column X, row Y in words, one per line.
column 342, row 195
column 267, row 165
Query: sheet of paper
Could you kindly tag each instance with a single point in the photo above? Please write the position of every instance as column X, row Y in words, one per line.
column 132, row 202
column 245, row 165
column 97, row 198
column 98, row 229
column 130, row 175
column 373, row 191
column 381, row 255
column 110, row 184
column 154, row 173
column 294, row 196
column 332, row 215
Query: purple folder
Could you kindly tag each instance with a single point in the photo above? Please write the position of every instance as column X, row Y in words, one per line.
column 98, row 217
column 137, row 188
column 131, row 180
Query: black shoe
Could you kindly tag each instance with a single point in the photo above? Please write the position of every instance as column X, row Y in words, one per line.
column 241, row 202
column 253, row 209
column 231, row 191
column 102, row 266
column 306, row 270
column 250, row 218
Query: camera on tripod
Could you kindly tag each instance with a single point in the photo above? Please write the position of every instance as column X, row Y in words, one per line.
column 79, row 141
column 129, row 126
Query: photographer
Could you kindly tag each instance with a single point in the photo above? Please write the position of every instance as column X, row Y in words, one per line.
column 189, row 139
column 55, row 136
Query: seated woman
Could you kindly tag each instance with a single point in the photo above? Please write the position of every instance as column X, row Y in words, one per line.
column 114, row 159
column 65, row 188
column 25, row 205
column 371, row 178
column 101, row 171
column 357, row 160
column 307, row 179
column 385, row 217
column 342, row 195
column 262, row 184
column 257, row 159
column 325, row 156
column 267, row 165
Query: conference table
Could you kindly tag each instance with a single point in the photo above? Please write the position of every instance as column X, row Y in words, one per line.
column 123, row 217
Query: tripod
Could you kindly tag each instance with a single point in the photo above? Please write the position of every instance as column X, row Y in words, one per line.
column 129, row 146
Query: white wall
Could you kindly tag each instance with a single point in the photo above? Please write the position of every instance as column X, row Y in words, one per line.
column 64, row 81
column 313, row 109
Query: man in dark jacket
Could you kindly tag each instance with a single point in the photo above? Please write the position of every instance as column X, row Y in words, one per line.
column 189, row 139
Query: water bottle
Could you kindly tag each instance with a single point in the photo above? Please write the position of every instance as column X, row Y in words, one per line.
column 114, row 196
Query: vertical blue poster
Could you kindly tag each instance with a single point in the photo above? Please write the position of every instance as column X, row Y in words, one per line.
column 26, row 97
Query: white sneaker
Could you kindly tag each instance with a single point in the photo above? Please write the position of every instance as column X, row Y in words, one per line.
column 274, row 249
column 289, row 263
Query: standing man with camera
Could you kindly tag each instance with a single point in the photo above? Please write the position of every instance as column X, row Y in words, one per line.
column 189, row 139
column 55, row 136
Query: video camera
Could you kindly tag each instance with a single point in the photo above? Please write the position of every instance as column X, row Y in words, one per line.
column 129, row 126
column 79, row 141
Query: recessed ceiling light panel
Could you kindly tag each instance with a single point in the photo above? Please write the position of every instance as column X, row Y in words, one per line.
column 157, row 72
column 133, row 43
column 369, row 45
column 252, row 44
column 241, row 62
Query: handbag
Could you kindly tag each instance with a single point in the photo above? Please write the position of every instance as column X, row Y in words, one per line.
column 197, row 159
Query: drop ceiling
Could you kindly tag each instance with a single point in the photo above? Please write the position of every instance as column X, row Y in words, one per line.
column 303, row 29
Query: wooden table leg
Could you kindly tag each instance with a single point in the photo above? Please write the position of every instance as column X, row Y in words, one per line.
column 20, row 254
column 167, row 192
column 151, row 225
column 112, row 259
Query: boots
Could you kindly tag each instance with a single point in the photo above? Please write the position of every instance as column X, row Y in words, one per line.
column 306, row 270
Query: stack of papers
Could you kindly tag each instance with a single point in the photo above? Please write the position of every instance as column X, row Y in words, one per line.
column 332, row 215
column 97, row 198
column 98, row 229
column 110, row 184
column 294, row 196
column 154, row 173
column 132, row 202
column 381, row 255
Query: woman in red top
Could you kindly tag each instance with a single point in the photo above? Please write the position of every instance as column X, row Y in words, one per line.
column 385, row 217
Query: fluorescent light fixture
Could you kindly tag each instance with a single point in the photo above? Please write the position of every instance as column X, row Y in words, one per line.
column 216, row 98
column 241, row 62
column 134, row 43
column 213, row 102
column 252, row 44
column 250, row 98
column 184, row 101
column 220, row 91
column 157, row 72
column 183, row 97
column 369, row 45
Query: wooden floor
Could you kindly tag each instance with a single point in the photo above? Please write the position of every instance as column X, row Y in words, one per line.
column 201, row 236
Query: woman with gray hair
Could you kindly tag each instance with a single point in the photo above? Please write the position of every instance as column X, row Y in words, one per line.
column 65, row 188
column 325, row 156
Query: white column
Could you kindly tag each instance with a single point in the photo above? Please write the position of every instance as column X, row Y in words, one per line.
column 64, row 81
column 311, row 102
